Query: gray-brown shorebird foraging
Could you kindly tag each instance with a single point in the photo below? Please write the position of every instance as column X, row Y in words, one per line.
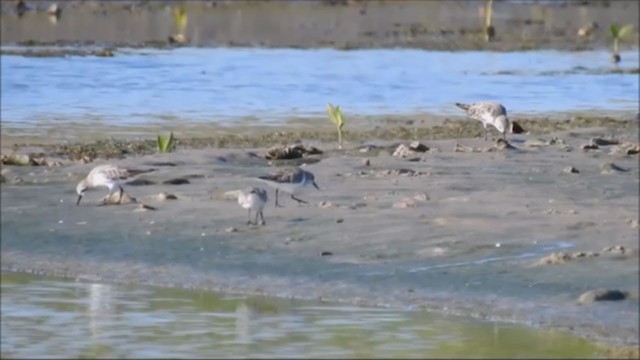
column 491, row 113
column 290, row 181
column 109, row 176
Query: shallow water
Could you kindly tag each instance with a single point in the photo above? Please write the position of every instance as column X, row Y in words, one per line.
column 268, row 86
column 59, row 318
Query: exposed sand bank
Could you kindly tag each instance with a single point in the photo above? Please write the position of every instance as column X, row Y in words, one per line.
column 442, row 25
column 451, row 231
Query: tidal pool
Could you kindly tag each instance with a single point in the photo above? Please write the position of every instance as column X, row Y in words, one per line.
column 51, row 317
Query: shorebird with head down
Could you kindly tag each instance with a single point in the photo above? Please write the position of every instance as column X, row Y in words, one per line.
column 491, row 113
column 253, row 199
column 109, row 176
column 290, row 181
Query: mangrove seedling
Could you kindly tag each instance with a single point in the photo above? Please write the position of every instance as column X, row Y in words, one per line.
column 489, row 31
column 336, row 117
column 618, row 33
column 166, row 143
column 180, row 19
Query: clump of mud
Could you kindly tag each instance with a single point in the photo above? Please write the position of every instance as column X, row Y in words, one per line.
column 450, row 129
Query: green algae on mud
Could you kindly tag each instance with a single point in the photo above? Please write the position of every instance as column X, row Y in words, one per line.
column 393, row 129
column 344, row 331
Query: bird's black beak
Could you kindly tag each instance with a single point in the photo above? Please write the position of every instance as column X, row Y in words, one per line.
column 316, row 185
column 79, row 198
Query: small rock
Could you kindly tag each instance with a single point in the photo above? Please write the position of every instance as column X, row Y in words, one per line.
column 326, row 253
column 611, row 168
column 570, row 170
column 418, row 147
column 366, row 162
column 165, row 196
column 367, row 148
column 177, row 181
column 114, row 199
column 230, row 229
column 143, row 207
column 355, row 206
column 586, row 147
column 291, row 152
column 402, row 151
column 421, row 197
column 603, row 142
column 325, row 205
column 602, row 295
column 554, row 259
column 339, row 221
column 617, row 249
column 633, row 223
column 403, row 172
column 467, row 149
column 625, row 149
column 177, row 39
column 406, row 203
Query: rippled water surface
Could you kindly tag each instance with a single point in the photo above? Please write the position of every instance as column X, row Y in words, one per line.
column 48, row 317
column 269, row 85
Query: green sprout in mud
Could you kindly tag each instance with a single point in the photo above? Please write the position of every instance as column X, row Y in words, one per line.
column 618, row 33
column 166, row 143
column 336, row 117
column 489, row 31
column 180, row 19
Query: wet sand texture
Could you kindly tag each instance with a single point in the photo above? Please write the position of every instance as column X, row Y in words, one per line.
column 446, row 230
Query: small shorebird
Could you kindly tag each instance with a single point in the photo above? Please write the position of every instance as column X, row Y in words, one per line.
column 290, row 181
column 491, row 113
column 253, row 199
column 109, row 176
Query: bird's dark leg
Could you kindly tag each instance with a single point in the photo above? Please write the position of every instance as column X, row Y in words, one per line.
column 298, row 200
column 262, row 222
column 249, row 218
column 277, row 205
column 256, row 221
column 121, row 193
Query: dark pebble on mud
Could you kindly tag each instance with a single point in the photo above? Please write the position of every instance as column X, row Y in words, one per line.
column 140, row 182
column 162, row 163
column 602, row 295
column 178, row 181
column 326, row 253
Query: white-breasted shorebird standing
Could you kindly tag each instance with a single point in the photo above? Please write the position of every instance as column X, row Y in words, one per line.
column 109, row 176
column 290, row 181
column 491, row 113
column 253, row 199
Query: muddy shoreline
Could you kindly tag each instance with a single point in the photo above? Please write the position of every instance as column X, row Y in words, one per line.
column 458, row 229
column 433, row 25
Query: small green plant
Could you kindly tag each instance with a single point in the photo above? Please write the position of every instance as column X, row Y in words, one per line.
column 618, row 33
column 180, row 19
column 489, row 31
column 166, row 143
column 336, row 117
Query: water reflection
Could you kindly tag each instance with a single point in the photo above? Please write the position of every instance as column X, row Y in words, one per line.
column 49, row 317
